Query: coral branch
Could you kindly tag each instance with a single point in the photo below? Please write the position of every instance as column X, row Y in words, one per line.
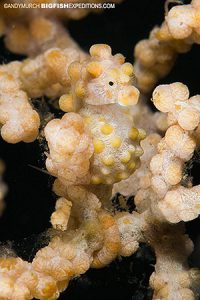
column 155, row 57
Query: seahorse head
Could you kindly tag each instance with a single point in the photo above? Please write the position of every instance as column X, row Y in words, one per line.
column 102, row 79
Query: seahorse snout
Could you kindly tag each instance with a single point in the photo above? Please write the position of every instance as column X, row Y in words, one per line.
column 128, row 96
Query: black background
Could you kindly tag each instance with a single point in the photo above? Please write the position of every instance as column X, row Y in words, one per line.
column 30, row 202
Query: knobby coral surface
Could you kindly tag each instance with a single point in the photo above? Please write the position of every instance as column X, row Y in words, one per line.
column 103, row 145
column 155, row 57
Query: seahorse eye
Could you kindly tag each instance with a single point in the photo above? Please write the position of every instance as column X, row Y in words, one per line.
column 111, row 83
